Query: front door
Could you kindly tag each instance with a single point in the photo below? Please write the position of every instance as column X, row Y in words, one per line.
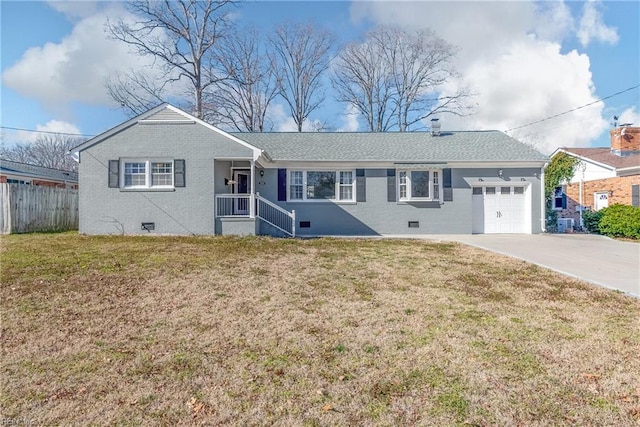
column 601, row 200
column 241, row 186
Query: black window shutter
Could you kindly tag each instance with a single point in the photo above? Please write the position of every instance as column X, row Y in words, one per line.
column 114, row 173
column 282, row 185
column 361, row 186
column 447, row 195
column 391, row 185
column 635, row 195
column 179, row 173
column 564, row 201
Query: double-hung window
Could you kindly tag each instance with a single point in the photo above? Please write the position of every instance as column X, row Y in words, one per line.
column 321, row 185
column 419, row 185
column 147, row 174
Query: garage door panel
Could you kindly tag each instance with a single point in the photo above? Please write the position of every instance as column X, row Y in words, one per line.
column 499, row 209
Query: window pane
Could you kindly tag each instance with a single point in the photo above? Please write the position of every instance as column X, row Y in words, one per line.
column 321, row 185
column 477, row 191
column 436, row 186
column 295, row 185
column 505, row 190
column 419, row 184
column 518, row 190
column 490, row 190
column 162, row 173
column 296, row 178
column 295, row 192
column 135, row 174
column 402, row 184
column 346, row 185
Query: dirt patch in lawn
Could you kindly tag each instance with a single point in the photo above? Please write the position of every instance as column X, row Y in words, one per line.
column 260, row 331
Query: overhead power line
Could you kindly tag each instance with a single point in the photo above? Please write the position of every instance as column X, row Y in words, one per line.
column 573, row 109
column 46, row 131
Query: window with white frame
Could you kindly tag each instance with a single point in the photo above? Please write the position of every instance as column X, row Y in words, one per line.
column 321, row 185
column 559, row 199
column 419, row 185
column 147, row 174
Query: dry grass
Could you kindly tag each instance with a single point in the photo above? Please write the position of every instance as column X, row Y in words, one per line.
column 257, row 331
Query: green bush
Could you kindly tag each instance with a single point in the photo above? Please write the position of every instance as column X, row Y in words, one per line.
column 620, row 221
column 591, row 219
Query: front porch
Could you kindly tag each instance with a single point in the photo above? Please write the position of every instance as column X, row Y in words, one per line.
column 239, row 208
column 251, row 214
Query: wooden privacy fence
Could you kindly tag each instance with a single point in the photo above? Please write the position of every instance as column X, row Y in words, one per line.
column 29, row 208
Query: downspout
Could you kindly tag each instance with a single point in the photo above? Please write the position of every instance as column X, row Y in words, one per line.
column 581, row 204
column 582, row 169
column 543, row 204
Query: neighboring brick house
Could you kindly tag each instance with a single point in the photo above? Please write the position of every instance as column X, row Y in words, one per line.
column 604, row 176
column 23, row 173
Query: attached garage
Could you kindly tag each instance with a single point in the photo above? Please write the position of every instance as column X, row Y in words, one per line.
column 500, row 208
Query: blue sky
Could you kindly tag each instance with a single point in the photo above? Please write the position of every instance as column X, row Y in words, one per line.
column 525, row 61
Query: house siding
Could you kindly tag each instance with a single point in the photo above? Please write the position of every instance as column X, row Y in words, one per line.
column 379, row 216
column 188, row 210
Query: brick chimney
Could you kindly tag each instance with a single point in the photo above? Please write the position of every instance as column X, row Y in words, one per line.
column 625, row 140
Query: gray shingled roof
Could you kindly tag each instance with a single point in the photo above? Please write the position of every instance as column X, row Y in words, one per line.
column 475, row 146
column 24, row 169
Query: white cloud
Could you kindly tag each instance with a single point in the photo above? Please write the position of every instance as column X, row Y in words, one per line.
column 283, row 122
column 630, row 115
column 280, row 119
column 24, row 137
column 592, row 28
column 75, row 9
column 349, row 120
column 511, row 57
column 74, row 70
column 58, row 126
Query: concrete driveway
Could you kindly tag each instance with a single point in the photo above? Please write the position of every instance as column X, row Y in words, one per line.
column 592, row 258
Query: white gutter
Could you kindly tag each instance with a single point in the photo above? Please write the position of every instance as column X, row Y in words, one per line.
column 543, row 205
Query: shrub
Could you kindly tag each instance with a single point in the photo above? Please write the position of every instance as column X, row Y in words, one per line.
column 620, row 221
column 590, row 220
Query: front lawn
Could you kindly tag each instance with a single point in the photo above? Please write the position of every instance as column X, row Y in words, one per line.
column 261, row 331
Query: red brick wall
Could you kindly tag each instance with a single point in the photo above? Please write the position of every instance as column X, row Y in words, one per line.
column 630, row 141
column 619, row 189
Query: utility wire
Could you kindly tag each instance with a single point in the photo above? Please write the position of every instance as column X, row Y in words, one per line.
column 46, row 131
column 573, row 109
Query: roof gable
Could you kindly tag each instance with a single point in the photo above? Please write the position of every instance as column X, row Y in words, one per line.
column 166, row 114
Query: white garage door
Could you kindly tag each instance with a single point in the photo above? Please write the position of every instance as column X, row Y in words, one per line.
column 500, row 209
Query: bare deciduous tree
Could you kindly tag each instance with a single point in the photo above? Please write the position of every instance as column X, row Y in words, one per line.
column 362, row 79
column 49, row 151
column 243, row 98
column 135, row 92
column 394, row 78
column 181, row 36
column 300, row 57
